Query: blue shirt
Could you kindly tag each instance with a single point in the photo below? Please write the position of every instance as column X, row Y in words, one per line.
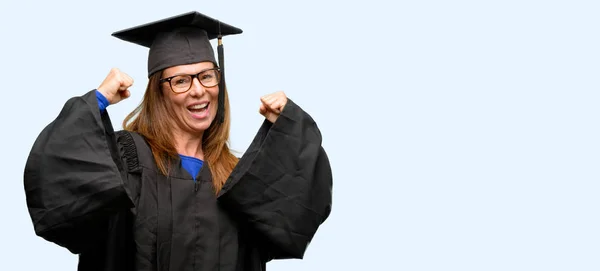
column 191, row 164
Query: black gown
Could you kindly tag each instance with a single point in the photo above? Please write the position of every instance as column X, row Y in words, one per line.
column 99, row 194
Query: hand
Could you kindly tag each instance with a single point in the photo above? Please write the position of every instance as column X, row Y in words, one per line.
column 115, row 86
column 272, row 105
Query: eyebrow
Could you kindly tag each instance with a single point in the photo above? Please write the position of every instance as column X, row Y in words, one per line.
column 182, row 73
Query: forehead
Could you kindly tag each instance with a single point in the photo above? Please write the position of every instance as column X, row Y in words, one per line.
column 188, row 69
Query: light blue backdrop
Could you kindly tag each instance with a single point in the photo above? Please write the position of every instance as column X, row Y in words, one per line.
column 463, row 135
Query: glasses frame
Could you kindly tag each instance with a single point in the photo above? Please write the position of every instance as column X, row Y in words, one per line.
column 168, row 79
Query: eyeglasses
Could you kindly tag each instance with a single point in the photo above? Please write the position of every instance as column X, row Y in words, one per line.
column 183, row 83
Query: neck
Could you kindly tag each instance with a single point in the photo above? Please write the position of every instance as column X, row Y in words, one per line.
column 189, row 145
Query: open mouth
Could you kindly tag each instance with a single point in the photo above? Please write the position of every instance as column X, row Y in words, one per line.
column 198, row 108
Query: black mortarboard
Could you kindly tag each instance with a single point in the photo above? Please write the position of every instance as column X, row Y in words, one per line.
column 180, row 40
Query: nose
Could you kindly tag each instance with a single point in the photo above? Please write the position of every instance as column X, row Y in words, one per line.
column 196, row 89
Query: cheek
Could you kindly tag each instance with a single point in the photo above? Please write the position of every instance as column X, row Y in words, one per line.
column 176, row 100
column 214, row 94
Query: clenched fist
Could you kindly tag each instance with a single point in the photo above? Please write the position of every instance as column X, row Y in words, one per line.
column 272, row 105
column 115, row 86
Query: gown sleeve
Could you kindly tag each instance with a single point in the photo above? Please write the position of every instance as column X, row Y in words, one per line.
column 73, row 176
column 282, row 186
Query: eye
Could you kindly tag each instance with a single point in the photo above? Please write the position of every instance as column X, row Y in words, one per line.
column 181, row 80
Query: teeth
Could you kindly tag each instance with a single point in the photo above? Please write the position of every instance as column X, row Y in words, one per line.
column 198, row 106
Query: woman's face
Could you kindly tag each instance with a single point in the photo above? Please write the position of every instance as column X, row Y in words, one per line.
column 197, row 107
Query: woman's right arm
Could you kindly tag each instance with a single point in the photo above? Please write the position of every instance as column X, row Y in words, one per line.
column 74, row 177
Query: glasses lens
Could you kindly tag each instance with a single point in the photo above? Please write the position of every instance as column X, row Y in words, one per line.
column 181, row 83
column 209, row 78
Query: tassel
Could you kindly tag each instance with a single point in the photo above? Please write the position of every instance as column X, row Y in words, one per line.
column 221, row 109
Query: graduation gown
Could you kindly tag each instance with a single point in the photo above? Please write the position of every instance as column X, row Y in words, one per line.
column 98, row 193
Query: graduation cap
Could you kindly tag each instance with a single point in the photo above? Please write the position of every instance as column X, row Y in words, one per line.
column 182, row 39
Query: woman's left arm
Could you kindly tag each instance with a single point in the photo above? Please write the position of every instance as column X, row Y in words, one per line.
column 282, row 185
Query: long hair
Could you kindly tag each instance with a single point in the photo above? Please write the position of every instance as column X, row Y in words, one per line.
column 152, row 118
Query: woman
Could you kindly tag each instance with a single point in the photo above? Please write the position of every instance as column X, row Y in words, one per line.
column 166, row 193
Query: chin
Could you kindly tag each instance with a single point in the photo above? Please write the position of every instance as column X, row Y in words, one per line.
column 200, row 128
